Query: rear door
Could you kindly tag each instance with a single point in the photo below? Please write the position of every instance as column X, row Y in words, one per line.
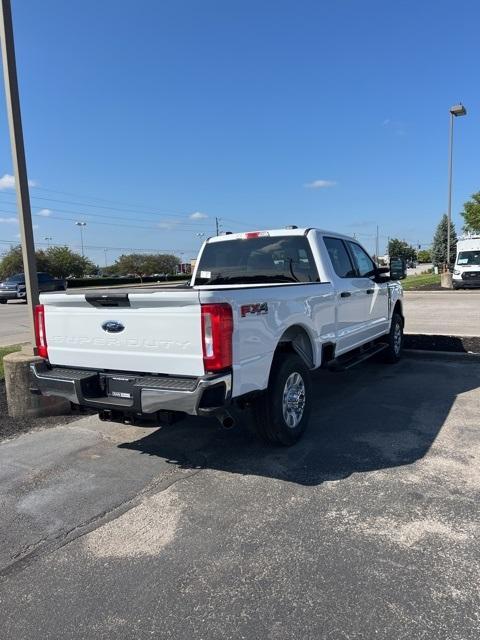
column 374, row 295
column 150, row 332
column 351, row 312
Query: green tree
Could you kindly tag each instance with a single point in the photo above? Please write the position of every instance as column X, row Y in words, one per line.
column 62, row 262
column 439, row 248
column 11, row 262
column 401, row 249
column 424, row 255
column 471, row 214
column 146, row 264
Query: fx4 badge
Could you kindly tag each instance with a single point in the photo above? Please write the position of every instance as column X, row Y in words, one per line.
column 257, row 309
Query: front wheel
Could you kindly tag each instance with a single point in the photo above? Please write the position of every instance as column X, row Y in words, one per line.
column 393, row 352
column 282, row 413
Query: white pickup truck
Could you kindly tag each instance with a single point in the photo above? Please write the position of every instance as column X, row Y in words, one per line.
column 262, row 310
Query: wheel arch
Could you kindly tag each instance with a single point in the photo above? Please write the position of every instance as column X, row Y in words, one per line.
column 298, row 339
column 398, row 308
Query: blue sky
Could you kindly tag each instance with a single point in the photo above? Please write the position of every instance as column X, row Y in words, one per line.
column 262, row 113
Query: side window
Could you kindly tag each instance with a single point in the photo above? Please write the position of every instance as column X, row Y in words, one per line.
column 363, row 262
column 339, row 256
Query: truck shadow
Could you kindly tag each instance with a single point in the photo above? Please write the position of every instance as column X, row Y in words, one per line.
column 370, row 418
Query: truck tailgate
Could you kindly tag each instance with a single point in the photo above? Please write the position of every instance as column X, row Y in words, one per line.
column 152, row 332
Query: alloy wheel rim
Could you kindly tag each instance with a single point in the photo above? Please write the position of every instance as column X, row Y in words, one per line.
column 397, row 338
column 293, row 402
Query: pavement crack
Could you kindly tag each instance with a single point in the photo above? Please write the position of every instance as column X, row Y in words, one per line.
column 47, row 545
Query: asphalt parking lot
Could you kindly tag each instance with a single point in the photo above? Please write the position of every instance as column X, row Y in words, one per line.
column 368, row 528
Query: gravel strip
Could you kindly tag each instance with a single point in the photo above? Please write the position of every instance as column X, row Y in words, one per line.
column 10, row 427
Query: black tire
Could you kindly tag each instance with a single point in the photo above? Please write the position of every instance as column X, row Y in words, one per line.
column 269, row 421
column 393, row 352
column 3, row 302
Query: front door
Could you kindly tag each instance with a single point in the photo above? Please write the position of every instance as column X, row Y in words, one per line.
column 374, row 294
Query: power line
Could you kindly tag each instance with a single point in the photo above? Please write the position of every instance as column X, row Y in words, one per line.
column 102, row 247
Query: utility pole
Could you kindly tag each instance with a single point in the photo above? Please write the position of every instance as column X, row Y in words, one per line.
column 217, row 226
column 18, row 158
column 376, row 246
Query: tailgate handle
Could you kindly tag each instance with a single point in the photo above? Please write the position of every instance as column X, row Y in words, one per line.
column 108, row 299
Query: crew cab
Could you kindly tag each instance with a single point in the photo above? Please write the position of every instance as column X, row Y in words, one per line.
column 13, row 287
column 262, row 310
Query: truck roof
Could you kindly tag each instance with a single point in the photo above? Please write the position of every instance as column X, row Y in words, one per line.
column 285, row 231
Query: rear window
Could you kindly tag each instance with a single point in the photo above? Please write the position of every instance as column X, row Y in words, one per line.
column 256, row 260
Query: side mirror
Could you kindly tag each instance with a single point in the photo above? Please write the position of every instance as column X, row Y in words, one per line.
column 398, row 268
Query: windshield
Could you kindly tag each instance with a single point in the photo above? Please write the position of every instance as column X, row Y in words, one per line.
column 19, row 277
column 469, row 257
column 257, row 260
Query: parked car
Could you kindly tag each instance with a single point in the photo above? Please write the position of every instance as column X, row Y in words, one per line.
column 262, row 311
column 13, row 287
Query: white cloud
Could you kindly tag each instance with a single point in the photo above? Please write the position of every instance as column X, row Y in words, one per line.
column 168, row 225
column 8, row 182
column 320, row 184
column 45, row 213
column 11, row 220
column 198, row 215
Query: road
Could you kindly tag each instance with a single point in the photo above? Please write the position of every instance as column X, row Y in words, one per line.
column 420, row 268
column 443, row 312
column 14, row 324
column 368, row 528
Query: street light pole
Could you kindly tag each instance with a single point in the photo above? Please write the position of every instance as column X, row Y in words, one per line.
column 18, row 157
column 455, row 111
column 81, row 225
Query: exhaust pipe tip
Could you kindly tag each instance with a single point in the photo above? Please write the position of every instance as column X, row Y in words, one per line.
column 227, row 421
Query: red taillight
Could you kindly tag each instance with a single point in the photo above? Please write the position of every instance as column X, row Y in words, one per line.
column 255, row 234
column 217, row 329
column 40, row 335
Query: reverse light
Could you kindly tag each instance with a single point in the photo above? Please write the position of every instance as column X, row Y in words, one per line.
column 217, row 329
column 40, row 335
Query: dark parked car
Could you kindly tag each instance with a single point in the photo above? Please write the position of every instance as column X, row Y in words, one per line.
column 13, row 287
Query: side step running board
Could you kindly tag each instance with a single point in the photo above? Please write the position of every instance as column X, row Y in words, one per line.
column 341, row 364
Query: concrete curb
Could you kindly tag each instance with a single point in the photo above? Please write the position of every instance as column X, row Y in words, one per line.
column 449, row 356
column 20, row 401
column 442, row 343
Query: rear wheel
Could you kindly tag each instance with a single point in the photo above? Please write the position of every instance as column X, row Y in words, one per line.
column 282, row 413
column 393, row 352
column 3, row 301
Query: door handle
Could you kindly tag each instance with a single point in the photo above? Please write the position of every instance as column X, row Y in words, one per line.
column 345, row 294
column 370, row 291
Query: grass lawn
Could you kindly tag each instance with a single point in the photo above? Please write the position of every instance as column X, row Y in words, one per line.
column 425, row 281
column 3, row 352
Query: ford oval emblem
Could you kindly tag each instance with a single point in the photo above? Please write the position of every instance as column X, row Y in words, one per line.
column 112, row 326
